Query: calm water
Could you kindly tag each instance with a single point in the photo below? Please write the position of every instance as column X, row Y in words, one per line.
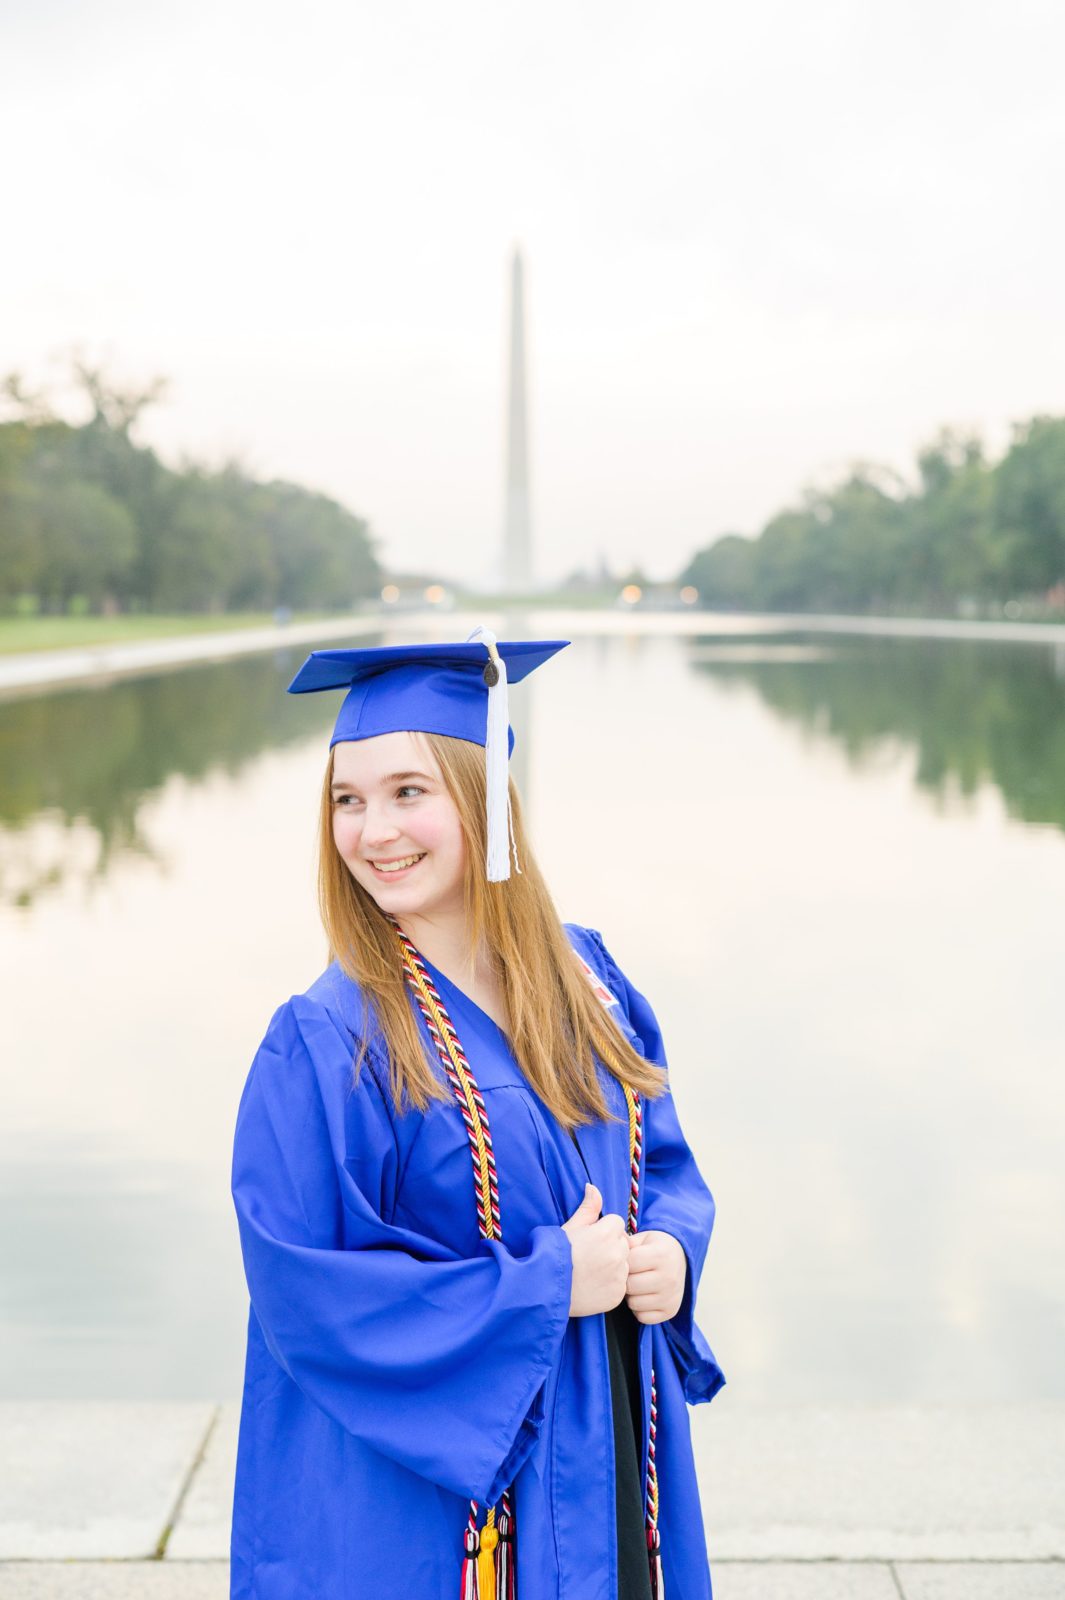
column 837, row 868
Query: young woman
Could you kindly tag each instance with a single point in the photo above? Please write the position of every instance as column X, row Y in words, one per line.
column 472, row 1228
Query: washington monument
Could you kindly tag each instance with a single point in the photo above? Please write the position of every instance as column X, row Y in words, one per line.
column 517, row 534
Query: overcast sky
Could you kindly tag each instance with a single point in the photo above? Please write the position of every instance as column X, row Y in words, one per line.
column 762, row 240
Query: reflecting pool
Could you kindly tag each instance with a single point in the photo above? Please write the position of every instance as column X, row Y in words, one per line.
column 836, row 866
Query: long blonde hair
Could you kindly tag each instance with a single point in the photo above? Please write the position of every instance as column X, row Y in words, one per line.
column 557, row 1025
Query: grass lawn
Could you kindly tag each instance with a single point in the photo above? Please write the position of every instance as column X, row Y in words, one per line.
column 19, row 634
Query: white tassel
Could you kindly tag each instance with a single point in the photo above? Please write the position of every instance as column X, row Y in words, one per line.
column 497, row 771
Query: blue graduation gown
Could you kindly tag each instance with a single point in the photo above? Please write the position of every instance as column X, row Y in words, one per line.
column 398, row 1365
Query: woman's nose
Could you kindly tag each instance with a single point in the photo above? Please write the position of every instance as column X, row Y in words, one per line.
column 377, row 826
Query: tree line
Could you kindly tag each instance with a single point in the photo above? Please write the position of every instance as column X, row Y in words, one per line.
column 90, row 517
column 970, row 534
column 969, row 715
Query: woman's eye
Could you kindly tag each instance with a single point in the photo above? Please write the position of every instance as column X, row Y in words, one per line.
column 343, row 799
column 410, row 788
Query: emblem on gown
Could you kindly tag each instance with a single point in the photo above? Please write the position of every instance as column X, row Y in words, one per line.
column 599, row 988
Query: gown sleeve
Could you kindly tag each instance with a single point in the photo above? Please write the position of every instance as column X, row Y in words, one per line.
column 675, row 1197
column 435, row 1360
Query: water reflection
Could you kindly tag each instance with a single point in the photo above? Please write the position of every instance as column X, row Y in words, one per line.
column 975, row 714
column 865, row 1050
column 78, row 765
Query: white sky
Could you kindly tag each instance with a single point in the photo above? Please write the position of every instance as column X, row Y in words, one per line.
column 762, row 240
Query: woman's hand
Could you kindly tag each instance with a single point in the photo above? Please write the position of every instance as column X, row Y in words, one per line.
column 658, row 1271
column 601, row 1260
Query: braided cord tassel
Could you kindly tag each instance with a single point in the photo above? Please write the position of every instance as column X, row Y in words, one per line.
column 654, row 1543
column 488, row 1566
column 506, row 1570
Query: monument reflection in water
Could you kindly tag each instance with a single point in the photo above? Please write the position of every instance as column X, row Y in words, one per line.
column 836, row 868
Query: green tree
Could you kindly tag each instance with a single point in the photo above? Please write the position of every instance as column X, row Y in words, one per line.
column 85, row 540
column 19, row 554
column 724, row 573
column 953, row 551
column 87, row 510
column 1029, row 505
column 323, row 553
column 781, row 561
column 868, row 543
column 857, row 556
column 197, row 548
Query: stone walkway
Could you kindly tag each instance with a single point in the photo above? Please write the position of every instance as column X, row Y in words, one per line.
column 100, row 663
column 132, row 1502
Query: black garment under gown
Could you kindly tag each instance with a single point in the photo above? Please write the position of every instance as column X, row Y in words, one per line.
column 622, row 1342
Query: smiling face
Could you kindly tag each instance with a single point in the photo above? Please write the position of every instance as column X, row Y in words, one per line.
column 396, row 826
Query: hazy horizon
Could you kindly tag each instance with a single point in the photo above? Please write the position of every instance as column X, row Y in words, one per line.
column 758, row 246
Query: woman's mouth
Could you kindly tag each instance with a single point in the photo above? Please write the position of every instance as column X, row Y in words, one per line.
column 397, row 868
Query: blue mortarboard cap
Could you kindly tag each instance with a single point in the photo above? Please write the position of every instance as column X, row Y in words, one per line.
column 424, row 688
column 454, row 689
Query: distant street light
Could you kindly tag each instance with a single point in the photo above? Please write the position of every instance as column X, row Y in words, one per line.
column 689, row 595
column 390, row 594
column 435, row 593
column 631, row 594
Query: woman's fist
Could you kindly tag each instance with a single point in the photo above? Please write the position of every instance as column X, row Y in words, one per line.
column 658, row 1271
column 600, row 1249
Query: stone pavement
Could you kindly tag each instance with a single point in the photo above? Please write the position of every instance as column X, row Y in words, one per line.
column 132, row 1501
